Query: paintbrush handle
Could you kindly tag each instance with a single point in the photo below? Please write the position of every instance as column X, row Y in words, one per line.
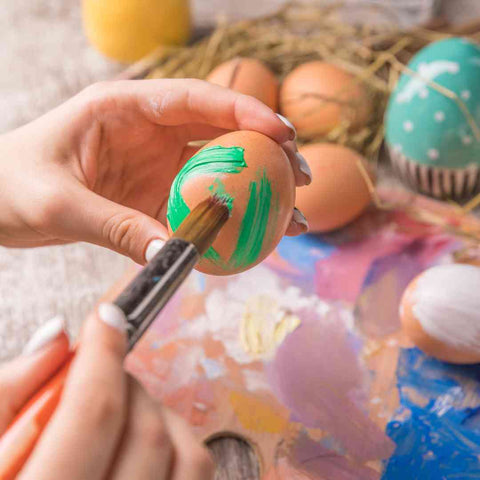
column 152, row 288
column 18, row 442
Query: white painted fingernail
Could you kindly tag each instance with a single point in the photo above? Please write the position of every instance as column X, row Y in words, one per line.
column 112, row 316
column 48, row 332
column 153, row 248
column 304, row 167
column 299, row 219
column 289, row 124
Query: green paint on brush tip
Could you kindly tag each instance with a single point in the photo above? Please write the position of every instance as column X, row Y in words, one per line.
column 254, row 224
column 209, row 161
column 218, row 189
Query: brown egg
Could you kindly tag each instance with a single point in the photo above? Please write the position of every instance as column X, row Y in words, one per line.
column 440, row 312
column 317, row 97
column 248, row 76
column 253, row 175
column 338, row 192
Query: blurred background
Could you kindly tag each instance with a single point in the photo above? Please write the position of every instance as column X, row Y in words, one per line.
column 47, row 58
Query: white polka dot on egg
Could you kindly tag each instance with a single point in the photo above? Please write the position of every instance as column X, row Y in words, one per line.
column 423, row 93
column 408, row 126
column 433, row 153
column 439, row 116
column 397, row 148
column 465, row 94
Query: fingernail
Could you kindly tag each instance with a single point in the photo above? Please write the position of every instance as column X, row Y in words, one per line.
column 299, row 219
column 286, row 121
column 48, row 332
column 304, row 167
column 153, row 248
column 112, row 316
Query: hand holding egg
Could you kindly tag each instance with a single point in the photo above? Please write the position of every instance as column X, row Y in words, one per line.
column 254, row 176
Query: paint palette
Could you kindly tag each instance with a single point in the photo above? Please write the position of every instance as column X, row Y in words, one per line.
column 303, row 355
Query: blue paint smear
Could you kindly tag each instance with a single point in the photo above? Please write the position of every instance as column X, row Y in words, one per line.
column 437, row 437
column 201, row 281
column 407, row 257
column 304, row 251
column 213, row 369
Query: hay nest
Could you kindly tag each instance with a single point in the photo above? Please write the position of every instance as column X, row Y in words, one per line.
column 299, row 33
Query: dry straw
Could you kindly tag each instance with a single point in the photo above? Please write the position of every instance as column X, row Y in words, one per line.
column 375, row 54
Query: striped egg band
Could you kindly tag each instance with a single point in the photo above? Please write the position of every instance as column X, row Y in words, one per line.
column 442, row 183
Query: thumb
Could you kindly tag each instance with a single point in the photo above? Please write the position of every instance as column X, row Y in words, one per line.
column 22, row 377
column 114, row 226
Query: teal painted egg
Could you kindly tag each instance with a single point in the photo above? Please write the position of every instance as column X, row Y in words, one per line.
column 432, row 119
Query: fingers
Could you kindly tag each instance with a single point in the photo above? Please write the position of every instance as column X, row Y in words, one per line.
column 146, row 451
column 85, row 431
column 192, row 460
column 89, row 217
column 22, row 377
column 298, row 224
column 303, row 176
column 301, row 170
column 202, row 131
column 185, row 101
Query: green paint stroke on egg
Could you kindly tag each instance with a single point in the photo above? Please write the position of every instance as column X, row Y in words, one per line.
column 261, row 205
column 254, row 224
column 209, row 161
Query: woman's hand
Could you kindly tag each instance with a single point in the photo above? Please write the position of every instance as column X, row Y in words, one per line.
column 106, row 425
column 99, row 167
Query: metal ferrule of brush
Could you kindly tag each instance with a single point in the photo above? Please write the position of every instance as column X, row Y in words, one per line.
column 143, row 299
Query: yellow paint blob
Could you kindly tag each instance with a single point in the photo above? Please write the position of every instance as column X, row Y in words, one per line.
column 265, row 326
column 257, row 416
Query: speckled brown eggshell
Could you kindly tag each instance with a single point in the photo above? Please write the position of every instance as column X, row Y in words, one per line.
column 248, row 76
column 262, row 156
column 425, row 342
column 338, row 193
column 317, row 97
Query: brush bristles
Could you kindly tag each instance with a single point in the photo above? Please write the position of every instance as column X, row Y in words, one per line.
column 203, row 223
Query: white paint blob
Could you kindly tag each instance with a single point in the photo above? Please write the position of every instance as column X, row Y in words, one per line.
column 446, row 303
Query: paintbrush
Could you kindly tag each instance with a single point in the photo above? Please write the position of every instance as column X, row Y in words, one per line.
column 141, row 301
